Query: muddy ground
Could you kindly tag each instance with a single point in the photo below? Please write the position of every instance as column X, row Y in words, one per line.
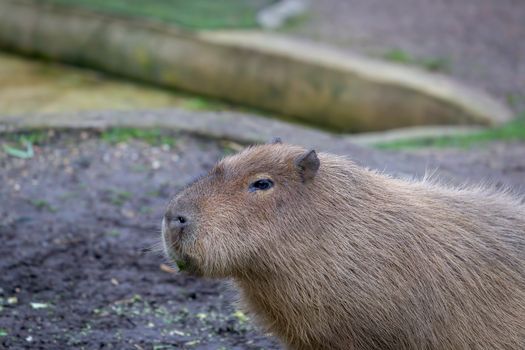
column 78, row 222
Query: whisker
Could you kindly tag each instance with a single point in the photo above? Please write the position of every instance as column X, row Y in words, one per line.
column 155, row 248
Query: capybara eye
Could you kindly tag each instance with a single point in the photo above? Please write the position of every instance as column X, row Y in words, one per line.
column 261, row 185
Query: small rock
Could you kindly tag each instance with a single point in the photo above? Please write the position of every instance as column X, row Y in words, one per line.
column 39, row 305
column 155, row 164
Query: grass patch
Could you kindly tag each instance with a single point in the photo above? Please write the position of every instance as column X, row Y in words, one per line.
column 113, row 233
column 41, row 204
column 118, row 198
column 295, row 22
column 36, row 137
column 145, row 210
column 200, row 104
column 154, row 137
column 194, row 14
column 430, row 64
column 512, row 131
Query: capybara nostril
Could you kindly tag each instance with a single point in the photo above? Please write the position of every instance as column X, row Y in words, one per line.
column 180, row 221
column 177, row 222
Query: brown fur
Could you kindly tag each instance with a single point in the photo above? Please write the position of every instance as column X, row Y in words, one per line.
column 357, row 260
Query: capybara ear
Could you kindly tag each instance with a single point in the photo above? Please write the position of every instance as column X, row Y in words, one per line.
column 275, row 140
column 308, row 164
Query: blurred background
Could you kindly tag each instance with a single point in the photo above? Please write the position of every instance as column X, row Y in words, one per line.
column 108, row 108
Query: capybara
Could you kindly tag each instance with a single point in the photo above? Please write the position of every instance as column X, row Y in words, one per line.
column 329, row 255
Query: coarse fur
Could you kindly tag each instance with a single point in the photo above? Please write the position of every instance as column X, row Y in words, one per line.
column 353, row 259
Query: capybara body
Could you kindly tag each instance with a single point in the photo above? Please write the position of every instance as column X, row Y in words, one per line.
column 329, row 255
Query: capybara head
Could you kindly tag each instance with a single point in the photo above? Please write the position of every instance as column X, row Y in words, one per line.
column 223, row 223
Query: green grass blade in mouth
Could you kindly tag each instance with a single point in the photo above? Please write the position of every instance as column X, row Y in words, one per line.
column 181, row 264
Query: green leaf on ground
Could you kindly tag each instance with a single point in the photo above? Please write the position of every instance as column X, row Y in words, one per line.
column 24, row 154
column 40, row 305
column 241, row 316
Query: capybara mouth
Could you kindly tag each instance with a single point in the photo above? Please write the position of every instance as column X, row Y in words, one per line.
column 188, row 264
column 174, row 252
column 183, row 261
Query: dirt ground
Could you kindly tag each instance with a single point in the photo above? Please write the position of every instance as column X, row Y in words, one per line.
column 79, row 222
column 477, row 41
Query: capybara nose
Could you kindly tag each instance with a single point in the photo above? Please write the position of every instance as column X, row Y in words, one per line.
column 177, row 222
column 180, row 221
